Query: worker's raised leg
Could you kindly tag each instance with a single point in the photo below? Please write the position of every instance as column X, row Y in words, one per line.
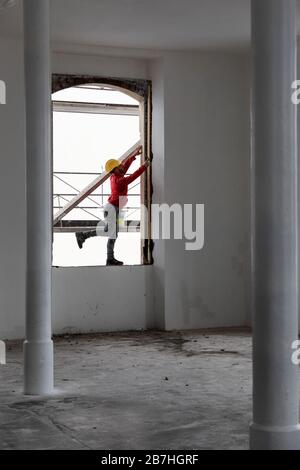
column 81, row 237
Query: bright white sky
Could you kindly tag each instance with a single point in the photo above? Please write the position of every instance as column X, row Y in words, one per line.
column 83, row 143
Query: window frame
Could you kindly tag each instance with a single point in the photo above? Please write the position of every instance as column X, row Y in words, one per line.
column 140, row 90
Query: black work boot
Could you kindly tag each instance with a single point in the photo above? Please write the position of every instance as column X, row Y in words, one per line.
column 80, row 239
column 114, row 262
column 82, row 236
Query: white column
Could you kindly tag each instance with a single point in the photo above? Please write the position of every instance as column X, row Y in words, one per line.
column 38, row 347
column 276, row 385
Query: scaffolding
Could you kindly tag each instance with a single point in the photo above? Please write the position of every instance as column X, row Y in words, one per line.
column 66, row 202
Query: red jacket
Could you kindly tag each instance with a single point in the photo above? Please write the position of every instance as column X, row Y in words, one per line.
column 119, row 184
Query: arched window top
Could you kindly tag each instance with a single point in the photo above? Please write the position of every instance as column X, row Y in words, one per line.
column 97, row 93
column 136, row 89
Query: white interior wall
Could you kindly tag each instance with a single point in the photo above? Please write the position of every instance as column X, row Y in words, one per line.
column 107, row 66
column 93, row 299
column 207, row 161
column 200, row 113
column 12, row 193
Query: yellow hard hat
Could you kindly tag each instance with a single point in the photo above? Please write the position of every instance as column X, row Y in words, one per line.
column 111, row 165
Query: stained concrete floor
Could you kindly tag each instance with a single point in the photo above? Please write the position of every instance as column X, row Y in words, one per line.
column 148, row 390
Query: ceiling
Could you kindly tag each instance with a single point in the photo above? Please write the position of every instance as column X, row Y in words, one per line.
column 149, row 24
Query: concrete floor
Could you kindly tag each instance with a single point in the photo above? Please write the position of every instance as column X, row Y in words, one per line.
column 153, row 390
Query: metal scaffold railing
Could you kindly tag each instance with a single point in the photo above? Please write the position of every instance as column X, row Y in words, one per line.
column 65, row 201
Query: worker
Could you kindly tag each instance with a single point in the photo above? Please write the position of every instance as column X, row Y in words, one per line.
column 119, row 190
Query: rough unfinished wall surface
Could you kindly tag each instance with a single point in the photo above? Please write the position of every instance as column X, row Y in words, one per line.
column 12, row 192
column 207, row 161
